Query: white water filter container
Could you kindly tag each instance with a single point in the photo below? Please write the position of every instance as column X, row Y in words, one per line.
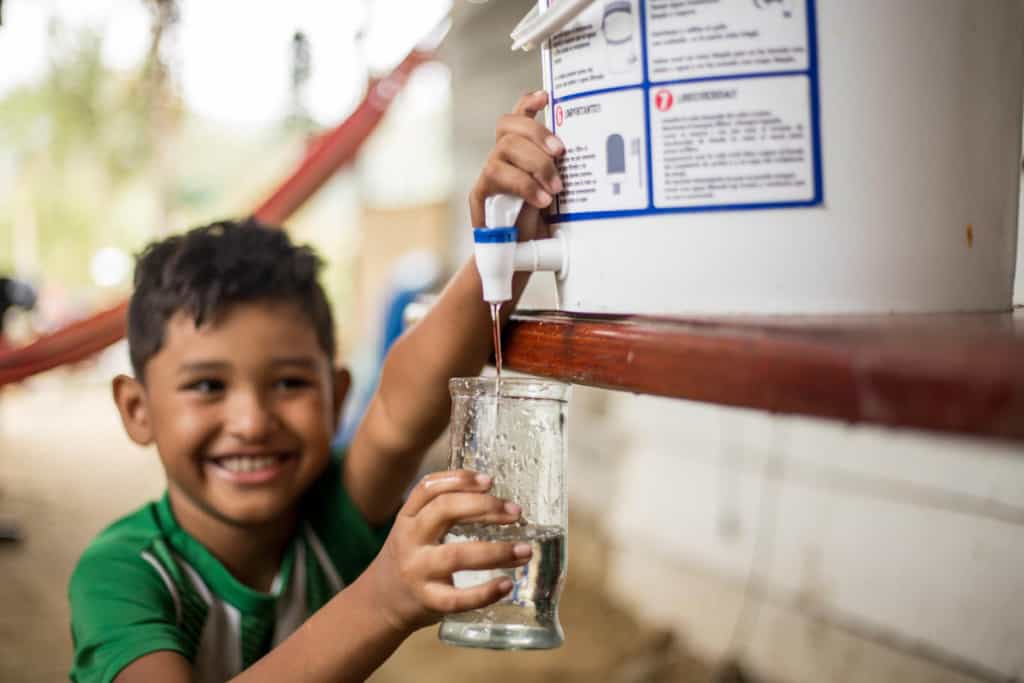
column 786, row 156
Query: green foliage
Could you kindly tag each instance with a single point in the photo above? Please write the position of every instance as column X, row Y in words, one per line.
column 92, row 157
column 77, row 140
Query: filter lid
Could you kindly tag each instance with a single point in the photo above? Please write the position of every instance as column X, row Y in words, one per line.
column 537, row 26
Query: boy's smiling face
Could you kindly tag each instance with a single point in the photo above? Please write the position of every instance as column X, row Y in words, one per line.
column 242, row 411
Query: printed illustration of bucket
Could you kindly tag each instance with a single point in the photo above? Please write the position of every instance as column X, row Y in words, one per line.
column 786, row 156
column 521, row 444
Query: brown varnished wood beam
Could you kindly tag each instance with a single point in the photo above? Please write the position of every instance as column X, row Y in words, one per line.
column 959, row 374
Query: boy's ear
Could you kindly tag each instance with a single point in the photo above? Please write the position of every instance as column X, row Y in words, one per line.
column 130, row 397
column 342, row 381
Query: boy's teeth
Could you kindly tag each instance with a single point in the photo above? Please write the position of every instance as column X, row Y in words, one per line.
column 247, row 463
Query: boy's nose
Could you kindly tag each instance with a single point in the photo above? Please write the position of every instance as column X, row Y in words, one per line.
column 250, row 418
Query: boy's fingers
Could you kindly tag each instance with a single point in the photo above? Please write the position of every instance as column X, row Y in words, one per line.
column 446, row 559
column 512, row 129
column 433, row 485
column 449, row 600
column 531, row 103
column 438, row 516
column 532, row 225
column 533, row 160
column 501, row 517
column 501, row 176
column 520, row 126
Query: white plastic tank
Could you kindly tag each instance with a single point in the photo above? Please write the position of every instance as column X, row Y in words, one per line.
column 786, row 156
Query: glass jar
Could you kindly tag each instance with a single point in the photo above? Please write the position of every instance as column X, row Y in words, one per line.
column 518, row 437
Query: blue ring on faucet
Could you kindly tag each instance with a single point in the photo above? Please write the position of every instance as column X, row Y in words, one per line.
column 495, row 235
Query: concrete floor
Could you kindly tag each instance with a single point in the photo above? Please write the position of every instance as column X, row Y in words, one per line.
column 67, row 470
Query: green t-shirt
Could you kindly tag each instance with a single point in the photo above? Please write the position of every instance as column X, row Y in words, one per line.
column 145, row 585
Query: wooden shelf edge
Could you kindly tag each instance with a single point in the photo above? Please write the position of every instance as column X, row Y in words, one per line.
column 959, row 374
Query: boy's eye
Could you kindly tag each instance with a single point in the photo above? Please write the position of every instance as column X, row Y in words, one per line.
column 206, row 386
column 292, row 383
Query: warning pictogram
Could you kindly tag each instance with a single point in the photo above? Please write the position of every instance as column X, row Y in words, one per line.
column 559, row 115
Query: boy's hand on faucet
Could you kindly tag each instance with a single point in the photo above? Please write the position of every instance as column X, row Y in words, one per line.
column 523, row 163
column 412, row 575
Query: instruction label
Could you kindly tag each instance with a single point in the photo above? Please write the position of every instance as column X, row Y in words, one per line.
column 714, row 38
column 745, row 141
column 599, row 49
column 605, row 165
column 686, row 105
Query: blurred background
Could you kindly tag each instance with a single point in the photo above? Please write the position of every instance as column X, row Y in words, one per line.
column 707, row 543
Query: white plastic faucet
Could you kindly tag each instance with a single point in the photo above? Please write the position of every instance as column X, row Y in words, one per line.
column 499, row 256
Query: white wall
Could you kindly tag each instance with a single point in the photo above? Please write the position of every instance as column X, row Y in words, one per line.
column 1018, row 285
column 805, row 547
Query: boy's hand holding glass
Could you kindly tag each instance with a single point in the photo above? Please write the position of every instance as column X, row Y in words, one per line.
column 412, row 575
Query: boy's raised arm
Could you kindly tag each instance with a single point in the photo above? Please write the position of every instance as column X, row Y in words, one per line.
column 411, row 406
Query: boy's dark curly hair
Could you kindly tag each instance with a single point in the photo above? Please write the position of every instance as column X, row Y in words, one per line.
column 209, row 269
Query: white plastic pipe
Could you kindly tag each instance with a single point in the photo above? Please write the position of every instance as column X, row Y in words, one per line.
column 543, row 255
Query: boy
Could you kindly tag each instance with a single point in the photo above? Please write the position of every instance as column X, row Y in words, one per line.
column 267, row 559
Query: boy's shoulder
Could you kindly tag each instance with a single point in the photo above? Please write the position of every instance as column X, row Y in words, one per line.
column 122, row 601
column 124, row 553
column 128, row 537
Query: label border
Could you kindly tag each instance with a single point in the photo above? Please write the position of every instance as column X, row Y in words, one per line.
column 646, row 85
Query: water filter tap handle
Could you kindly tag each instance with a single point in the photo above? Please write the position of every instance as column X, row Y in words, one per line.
column 494, row 246
column 499, row 255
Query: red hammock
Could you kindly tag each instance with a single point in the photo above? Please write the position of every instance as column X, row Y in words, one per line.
column 325, row 156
